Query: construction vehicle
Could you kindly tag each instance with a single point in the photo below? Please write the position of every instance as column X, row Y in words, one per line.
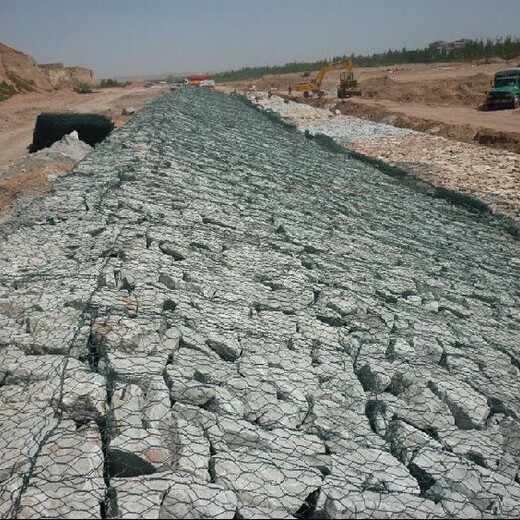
column 347, row 87
column 505, row 91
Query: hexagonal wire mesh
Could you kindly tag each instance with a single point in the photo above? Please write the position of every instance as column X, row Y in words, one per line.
column 214, row 317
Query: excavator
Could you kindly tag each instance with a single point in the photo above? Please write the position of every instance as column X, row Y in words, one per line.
column 348, row 86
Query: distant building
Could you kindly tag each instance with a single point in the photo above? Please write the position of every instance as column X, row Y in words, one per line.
column 439, row 45
column 197, row 79
column 457, row 44
column 449, row 46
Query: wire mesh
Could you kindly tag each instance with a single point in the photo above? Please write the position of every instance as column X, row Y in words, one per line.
column 215, row 317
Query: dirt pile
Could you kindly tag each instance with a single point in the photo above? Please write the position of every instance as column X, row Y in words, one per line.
column 468, row 91
column 33, row 174
column 19, row 73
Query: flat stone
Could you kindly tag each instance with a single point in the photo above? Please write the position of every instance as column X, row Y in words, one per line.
column 469, row 408
column 170, row 495
column 133, row 369
column 339, row 502
column 138, row 451
column 258, row 480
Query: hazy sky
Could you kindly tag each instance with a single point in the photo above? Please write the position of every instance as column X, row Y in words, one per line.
column 137, row 37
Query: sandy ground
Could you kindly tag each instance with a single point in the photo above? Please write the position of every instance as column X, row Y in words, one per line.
column 23, row 174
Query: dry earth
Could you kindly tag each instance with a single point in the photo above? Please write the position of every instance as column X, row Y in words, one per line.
column 420, row 96
column 20, row 175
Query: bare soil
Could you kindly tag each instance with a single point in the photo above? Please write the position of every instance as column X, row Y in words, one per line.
column 19, row 175
column 447, row 98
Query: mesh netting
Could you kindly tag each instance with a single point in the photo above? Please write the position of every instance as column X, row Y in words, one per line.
column 49, row 128
column 215, row 317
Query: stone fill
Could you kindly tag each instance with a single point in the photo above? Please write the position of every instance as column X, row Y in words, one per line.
column 214, row 316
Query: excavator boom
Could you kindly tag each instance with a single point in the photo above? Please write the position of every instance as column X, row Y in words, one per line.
column 314, row 86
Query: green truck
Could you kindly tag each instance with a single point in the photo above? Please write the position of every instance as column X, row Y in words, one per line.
column 505, row 91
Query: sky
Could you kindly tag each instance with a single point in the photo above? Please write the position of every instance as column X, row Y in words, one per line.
column 119, row 38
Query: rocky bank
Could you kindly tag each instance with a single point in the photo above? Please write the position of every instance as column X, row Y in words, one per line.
column 213, row 316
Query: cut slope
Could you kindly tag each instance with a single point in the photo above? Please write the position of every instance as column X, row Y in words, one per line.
column 19, row 73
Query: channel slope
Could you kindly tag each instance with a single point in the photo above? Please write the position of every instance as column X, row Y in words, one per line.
column 213, row 316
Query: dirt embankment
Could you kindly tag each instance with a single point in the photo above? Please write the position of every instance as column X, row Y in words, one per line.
column 441, row 99
column 19, row 74
column 500, row 129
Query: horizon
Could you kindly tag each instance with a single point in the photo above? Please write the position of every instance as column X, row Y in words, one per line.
column 155, row 38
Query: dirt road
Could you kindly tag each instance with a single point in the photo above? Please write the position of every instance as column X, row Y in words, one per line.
column 499, row 120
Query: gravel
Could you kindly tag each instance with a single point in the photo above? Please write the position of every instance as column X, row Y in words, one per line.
column 341, row 128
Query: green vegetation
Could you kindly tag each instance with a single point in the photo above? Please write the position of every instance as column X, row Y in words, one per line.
column 110, row 83
column 505, row 48
column 22, row 85
column 83, row 88
column 18, row 85
column 6, row 90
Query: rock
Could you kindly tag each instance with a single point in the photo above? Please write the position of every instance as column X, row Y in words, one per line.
column 192, row 392
column 62, row 499
column 260, row 481
column 227, row 348
column 198, row 502
column 169, row 495
column 433, row 130
column 79, row 395
column 25, row 427
column 70, row 454
column 327, row 419
column 127, row 405
column 406, row 441
column 138, row 451
column 373, row 379
column 190, row 448
column 372, row 469
column 417, row 406
column 390, row 119
column 157, row 407
column 441, row 474
column 133, row 369
column 484, row 448
column 230, row 434
column 469, row 408
column 348, row 503
column 195, row 415
column 128, row 111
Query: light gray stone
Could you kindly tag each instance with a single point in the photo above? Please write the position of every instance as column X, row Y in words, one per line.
column 259, row 481
column 469, row 408
column 170, row 495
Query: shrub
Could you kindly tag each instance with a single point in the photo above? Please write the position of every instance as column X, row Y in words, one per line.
column 83, row 88
column 109, row 83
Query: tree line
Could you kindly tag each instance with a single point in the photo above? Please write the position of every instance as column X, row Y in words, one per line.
column 505, row 48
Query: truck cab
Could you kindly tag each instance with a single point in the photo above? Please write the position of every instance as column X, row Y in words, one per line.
column 505, row 91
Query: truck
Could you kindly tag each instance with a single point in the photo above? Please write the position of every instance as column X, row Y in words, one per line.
column 505, row 91
column 348, row 85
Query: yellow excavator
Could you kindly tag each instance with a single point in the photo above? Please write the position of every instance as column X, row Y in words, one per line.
column 348, row 86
